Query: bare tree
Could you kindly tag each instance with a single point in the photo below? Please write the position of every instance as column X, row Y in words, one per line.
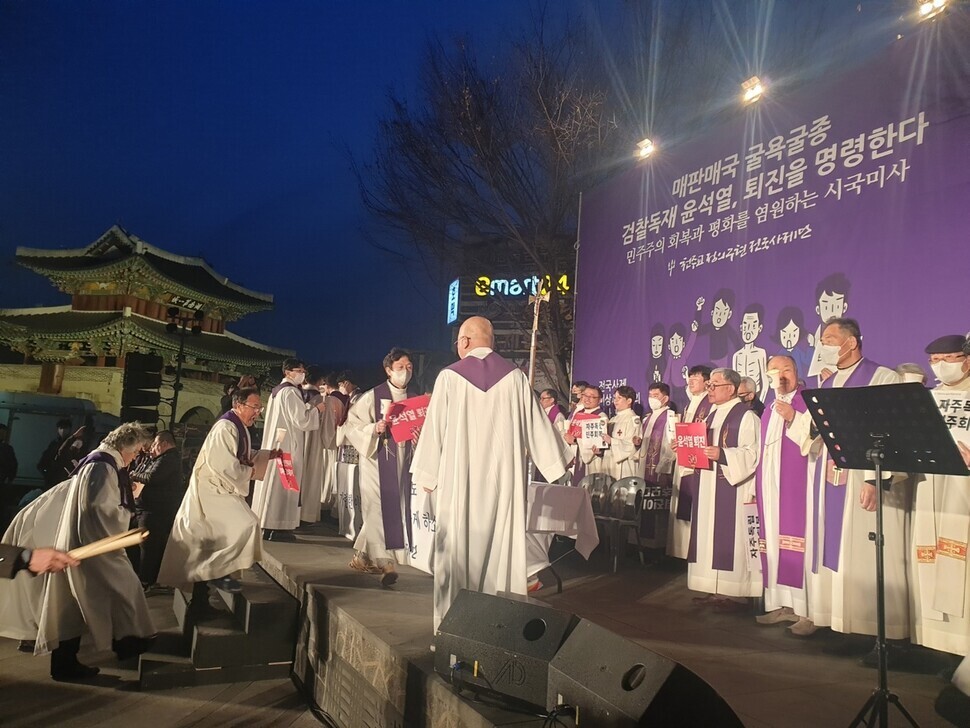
column 492, row 158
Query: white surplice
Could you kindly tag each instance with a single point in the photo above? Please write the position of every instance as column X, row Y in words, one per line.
column 940, row 579
column 102, row 596
column 215, row 532
column 678, row 531
column 620, row 459
column 782, row 595
column 359, row 431
column 854, row 583
column 742, row 461
column 276, row 506
column 472, row 454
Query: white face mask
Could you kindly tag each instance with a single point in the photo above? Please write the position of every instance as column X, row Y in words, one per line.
column 829, row 354
column 654, row 403
column 297, row 378
column 400, row 378
column 948, row 372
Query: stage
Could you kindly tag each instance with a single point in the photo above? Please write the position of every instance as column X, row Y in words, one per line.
column 370, row 647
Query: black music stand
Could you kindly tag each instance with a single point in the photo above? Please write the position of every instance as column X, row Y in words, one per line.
column 897, row 427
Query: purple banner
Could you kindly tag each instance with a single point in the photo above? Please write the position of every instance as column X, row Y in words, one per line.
column 846, row 197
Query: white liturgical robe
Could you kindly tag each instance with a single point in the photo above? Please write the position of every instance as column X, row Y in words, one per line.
column 705, row 574
column 854, row 581
column 359, row 431
column 102, row 596
column 215, row 533
column 620, row 460
column 482, row 422
column 319, row 468
column 278, row 507
column 941, row 529
column 678, row 529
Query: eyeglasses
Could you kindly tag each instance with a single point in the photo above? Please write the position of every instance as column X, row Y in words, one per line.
column 712, row 386
column 458, row 340
column 936, row 358
column 254, row 407
column 589, row 396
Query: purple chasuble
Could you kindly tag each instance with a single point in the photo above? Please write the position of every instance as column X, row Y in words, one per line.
column 688, row 483
column 243, row 445
column 792, row 506
column 387, row 473
column 483, row 373
column 124, row 483
column 835, row 494
column 725, row 495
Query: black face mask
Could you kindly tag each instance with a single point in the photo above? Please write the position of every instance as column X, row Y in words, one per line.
column 574, row 398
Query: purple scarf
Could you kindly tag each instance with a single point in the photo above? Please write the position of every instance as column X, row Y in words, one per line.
column 835, row 494
column 483, row 373
column 688, row 483
column 554, row 412
column 283, row 385
column 792, row 507
column 243, row 445
column 725, row 495
column 387, row 472
column 124, row 482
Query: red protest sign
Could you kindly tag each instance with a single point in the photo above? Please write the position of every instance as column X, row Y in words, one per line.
column 576, row 423
column 691, row 441
column 406, row 417
column 284, row 466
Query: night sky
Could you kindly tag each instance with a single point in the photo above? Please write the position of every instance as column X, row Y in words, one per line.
column 225, row 130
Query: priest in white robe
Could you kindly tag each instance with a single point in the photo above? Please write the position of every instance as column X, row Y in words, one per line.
column 287, row 412
column 620, row 460
column 215, row 533
column 785, row 501
column 847, row 505
column 385, row 480
column 483, row 422
column 717, row 557
column 684, row 483
column 587, row 458
column 550, row 405
column 941, row 521
column 102, row 597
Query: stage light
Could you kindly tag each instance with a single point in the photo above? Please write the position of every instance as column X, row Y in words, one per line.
column 645, row 149
column 752, row 89
column 931, row 8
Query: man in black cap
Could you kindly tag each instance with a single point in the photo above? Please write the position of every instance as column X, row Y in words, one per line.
column 941, row 519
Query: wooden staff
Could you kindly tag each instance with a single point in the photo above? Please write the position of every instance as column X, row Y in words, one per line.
column 111, row 543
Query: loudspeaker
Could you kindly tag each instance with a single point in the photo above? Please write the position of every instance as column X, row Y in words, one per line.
column 613, row 682
column 500, row 645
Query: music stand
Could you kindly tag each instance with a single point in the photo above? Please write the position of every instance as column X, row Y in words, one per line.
column 897, row 427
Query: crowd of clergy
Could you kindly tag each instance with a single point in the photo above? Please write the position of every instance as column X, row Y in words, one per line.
column 813, row 562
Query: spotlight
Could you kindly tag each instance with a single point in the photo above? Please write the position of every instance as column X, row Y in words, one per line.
column 931, row 8
column 752, row 89
column 645, row 149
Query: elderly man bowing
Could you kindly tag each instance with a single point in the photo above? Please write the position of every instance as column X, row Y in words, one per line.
column 482, row 420
column 103, row 597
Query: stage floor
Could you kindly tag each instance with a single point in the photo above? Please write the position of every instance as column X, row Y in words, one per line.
column 769, row 677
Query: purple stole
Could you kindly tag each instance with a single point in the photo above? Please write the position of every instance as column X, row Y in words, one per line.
column 725, row 496
column 387, row 473
column 792, row 507
column 283, row 385
column 553, row 413
column 124, row 483
column 835, row 494
column 243, row 444
column 654, row 444
column 688, row 483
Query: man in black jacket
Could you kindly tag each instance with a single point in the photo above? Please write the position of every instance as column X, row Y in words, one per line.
column 158, row 502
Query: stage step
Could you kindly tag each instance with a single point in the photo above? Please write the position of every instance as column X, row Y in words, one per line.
column 249, row 635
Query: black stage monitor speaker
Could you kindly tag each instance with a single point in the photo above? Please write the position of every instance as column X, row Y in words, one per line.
column 500, row 645
column 612, row 682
